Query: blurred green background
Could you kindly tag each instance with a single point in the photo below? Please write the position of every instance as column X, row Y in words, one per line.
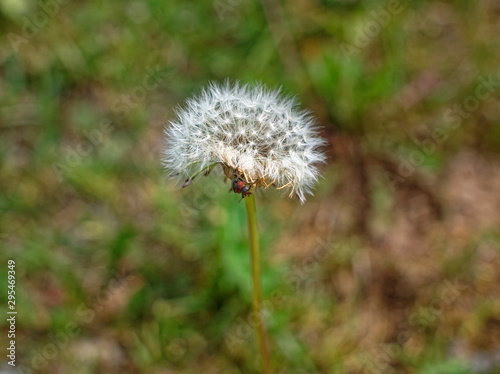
column 392, row 267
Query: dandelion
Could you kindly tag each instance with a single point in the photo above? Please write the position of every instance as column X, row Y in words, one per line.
column 260, row 139
column 253, row 133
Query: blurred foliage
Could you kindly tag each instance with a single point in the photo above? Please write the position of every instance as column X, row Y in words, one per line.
column 118, row 271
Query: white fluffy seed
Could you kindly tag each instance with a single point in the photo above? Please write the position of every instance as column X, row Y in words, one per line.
column 252, row 131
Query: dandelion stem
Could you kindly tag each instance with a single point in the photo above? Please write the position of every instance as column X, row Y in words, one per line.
column 257, row 288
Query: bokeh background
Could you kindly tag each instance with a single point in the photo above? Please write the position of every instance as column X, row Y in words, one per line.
column 392, row 267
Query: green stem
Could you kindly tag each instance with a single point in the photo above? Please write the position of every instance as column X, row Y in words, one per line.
column 257, row 288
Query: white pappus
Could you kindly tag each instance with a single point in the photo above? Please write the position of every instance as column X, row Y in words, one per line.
column 253, row 132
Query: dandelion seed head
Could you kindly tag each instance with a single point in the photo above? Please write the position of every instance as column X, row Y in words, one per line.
column 251, row 131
